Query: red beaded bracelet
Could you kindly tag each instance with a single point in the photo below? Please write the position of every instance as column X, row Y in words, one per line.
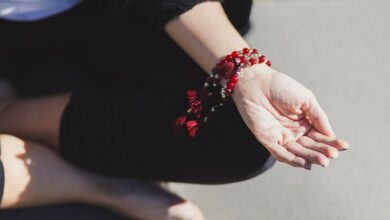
column 242, row 59
column 216, row 91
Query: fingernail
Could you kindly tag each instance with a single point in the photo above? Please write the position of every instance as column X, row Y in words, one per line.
column 335, row 154
column 325, row 164
column 344, row 144
column 346, row 147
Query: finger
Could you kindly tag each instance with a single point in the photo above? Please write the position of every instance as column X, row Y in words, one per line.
column 283, row 155
column 318, row 117
column 337, row 143
column 310, row 155
column 325, row 149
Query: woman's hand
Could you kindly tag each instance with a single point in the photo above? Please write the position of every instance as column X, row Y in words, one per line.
column 283, row 115
column 286, row 118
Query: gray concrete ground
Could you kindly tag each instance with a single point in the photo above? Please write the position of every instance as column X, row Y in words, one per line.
column 340, row 50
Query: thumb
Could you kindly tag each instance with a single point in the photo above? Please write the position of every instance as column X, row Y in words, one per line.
column 318, row 117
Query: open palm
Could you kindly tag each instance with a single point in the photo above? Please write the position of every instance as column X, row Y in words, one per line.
column 286, row 118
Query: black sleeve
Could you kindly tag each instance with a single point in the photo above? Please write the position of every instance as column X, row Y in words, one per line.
column 156, row 13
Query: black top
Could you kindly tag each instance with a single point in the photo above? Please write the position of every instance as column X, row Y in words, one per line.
column 70, row 30
column 133, row 84
column 156, row 13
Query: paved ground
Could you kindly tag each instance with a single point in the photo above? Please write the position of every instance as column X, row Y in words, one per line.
column 339, row 49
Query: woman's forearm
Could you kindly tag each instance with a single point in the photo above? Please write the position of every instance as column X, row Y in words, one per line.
column 209, row 31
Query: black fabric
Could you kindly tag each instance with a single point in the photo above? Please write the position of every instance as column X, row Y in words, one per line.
column 2, row 180
column 158, row 12
column 131, row 85
column 61, row 212
column 129, row 134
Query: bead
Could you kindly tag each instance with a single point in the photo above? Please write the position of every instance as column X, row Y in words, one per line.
column 252, row 61
column 255, row 51
column 235, row 54
column 261, row 59
column 230, row 85
column 228, row 91
column 206, row 84
column 242, row 59
column 229, row 58
column 268, row 63
column 234, row 78
column 245, row 51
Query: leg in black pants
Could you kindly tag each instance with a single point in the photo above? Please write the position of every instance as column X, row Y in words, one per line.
column 134, row 87
column 118, row 121
column 127, row 132
column 122, row 127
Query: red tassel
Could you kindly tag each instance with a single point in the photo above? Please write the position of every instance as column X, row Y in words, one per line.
column 194, row 102
column 178, row 126
column 192, row 128
column 192, row 95
column 196, row 106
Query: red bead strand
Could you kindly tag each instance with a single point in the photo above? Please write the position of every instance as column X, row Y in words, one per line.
column 217, row 90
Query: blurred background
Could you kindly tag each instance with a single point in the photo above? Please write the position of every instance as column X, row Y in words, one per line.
column 340, row 50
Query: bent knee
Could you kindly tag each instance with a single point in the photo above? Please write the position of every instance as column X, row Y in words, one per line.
column 185, row 211
column 11, row 145
column 16, row 175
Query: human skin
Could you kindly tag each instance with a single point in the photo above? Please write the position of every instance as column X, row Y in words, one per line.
column 283, row 115
column 36, row 176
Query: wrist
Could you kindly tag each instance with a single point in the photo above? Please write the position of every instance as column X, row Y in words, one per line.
column 250, row 80
column 244, row 65
column 259, row 72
